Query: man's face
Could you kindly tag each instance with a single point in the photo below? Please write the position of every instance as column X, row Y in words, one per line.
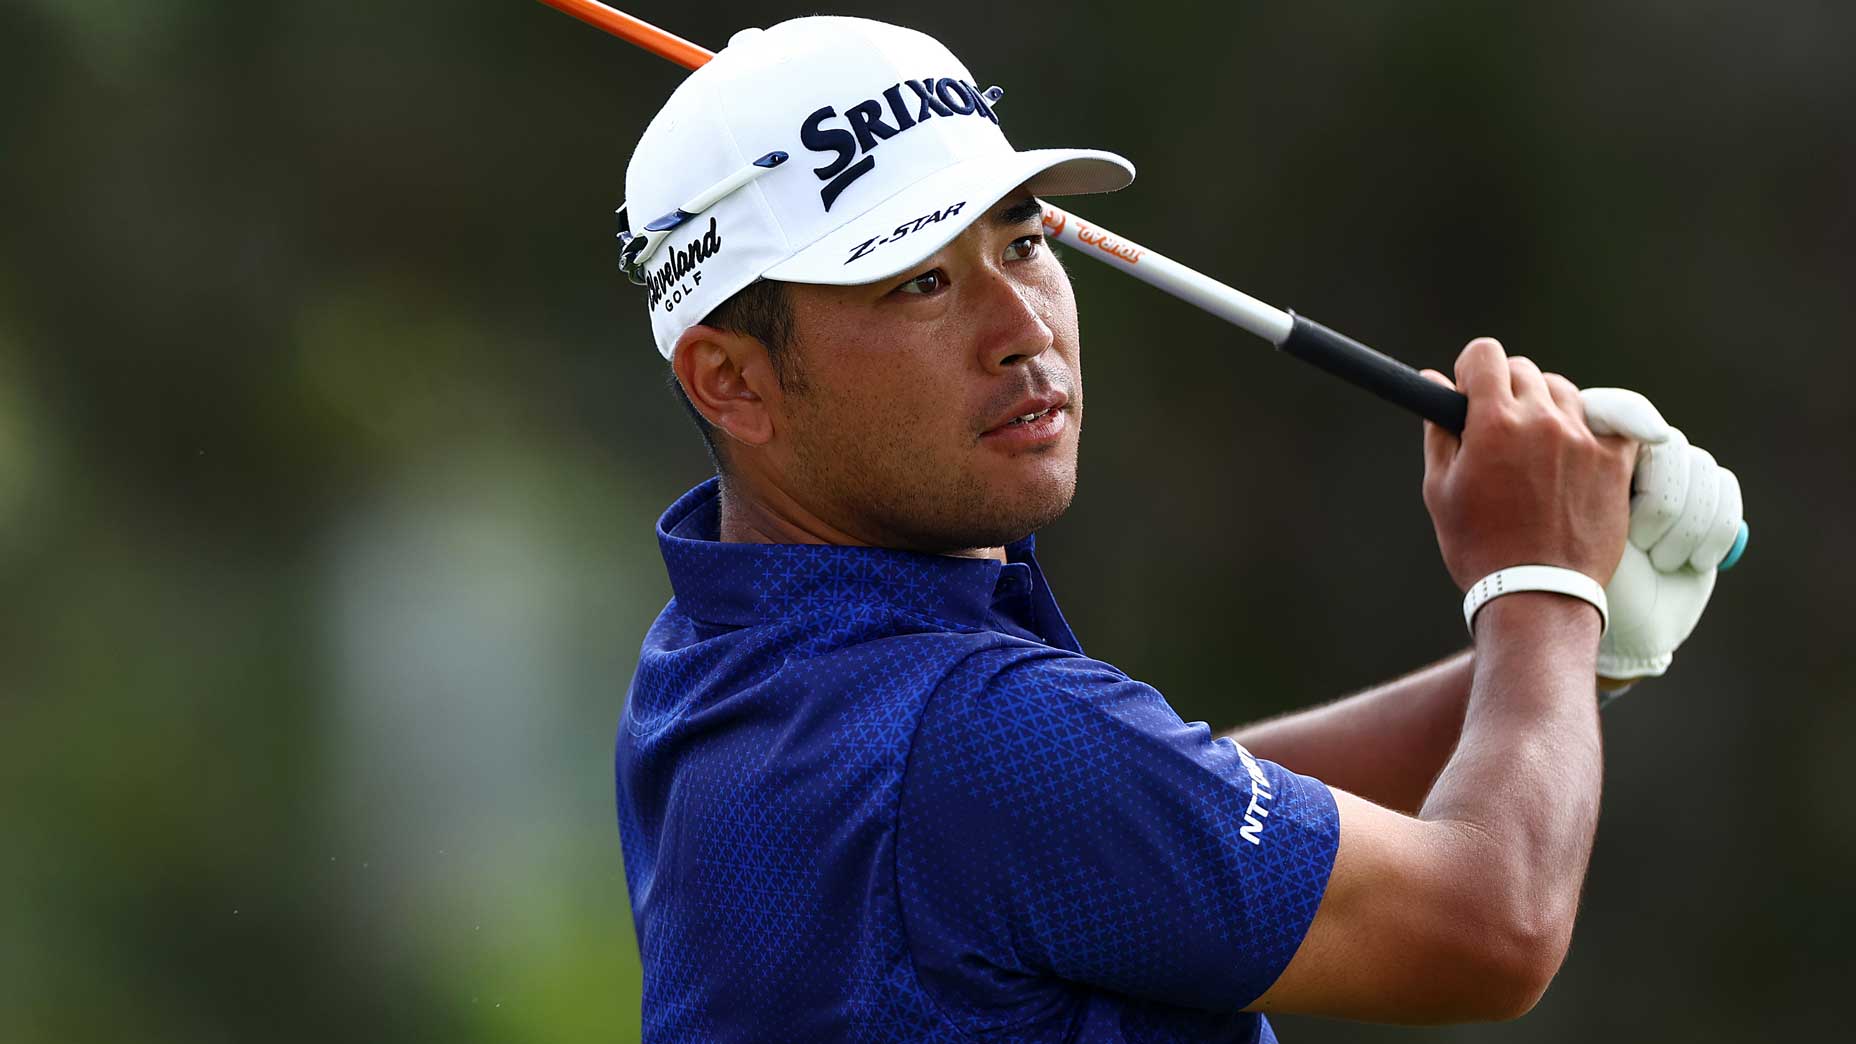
column 898, row 429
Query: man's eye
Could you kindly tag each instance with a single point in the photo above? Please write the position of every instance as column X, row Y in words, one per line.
column 1024, row 248
column 926, row 283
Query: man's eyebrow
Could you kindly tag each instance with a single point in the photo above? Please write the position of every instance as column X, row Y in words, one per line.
column 1020, row 212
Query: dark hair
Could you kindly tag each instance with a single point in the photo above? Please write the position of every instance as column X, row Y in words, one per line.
column 760, row 310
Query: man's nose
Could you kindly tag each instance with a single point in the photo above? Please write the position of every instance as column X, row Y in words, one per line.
column 1014, row 329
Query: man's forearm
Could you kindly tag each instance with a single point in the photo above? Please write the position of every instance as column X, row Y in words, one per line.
column 1386, row 744
column 1525, row 777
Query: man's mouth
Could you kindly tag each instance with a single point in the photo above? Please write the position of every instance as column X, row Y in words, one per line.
column 1040, row 421
column 1031, row 410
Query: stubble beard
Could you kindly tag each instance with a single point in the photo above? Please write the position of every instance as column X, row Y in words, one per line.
column 889, row 489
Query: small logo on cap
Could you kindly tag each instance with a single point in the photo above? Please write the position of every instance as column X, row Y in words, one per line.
column 681, row 273
column 904, row 229
column 925, row 100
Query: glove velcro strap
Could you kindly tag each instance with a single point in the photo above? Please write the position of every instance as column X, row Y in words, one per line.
column 1553, row 579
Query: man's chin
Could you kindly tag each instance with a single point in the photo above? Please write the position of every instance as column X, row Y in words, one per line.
column 999, row 519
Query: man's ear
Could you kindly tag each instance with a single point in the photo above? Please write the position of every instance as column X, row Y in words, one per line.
column 729, row 380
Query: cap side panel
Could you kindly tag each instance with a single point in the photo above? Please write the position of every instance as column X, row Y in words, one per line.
column 757, row 188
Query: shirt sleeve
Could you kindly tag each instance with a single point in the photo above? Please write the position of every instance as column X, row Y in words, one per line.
column 1059, row 819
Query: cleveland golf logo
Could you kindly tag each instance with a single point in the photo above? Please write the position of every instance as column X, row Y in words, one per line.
column 679, row 275
column 925, row 99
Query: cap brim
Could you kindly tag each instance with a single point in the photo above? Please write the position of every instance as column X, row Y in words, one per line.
column 910, row 226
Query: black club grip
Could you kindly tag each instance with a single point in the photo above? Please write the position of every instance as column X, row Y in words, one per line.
column 1376, row 372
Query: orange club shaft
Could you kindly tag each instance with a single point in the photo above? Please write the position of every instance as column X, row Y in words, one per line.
column 635, row 31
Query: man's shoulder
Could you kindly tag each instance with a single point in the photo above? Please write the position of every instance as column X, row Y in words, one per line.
column 1043, row 696
column 1014, row 671
column 931, row 660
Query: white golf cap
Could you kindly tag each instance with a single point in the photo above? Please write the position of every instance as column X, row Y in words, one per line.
column 822, row 150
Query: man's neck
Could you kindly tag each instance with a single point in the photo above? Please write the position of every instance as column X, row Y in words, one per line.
column 752, row 515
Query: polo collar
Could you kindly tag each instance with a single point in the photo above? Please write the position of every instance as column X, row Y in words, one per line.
column 741, row 585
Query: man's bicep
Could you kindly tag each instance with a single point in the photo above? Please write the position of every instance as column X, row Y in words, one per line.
column 1406, row 931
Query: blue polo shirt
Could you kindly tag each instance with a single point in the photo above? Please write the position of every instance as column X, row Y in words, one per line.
column 870, row 795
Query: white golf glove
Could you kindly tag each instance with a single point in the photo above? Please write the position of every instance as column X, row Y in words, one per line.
column 1685, row 514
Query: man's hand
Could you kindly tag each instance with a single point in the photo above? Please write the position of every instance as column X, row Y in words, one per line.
column 1685, row 513
column 1529, row 482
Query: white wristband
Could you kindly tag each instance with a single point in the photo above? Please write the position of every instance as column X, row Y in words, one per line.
column 1554, row 579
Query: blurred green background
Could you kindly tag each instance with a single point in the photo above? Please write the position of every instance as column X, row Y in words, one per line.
column 331, row 440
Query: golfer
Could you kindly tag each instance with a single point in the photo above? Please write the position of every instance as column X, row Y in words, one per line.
column 870, row 786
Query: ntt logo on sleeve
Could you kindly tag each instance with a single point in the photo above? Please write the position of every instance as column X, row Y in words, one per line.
column 908, row 103
column 1252, row 830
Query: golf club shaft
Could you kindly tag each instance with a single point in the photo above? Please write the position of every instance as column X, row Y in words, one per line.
column 1296, row 335
column 661, row 42
column 1305, row 339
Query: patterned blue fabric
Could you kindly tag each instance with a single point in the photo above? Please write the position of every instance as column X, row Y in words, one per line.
column 868, row 795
